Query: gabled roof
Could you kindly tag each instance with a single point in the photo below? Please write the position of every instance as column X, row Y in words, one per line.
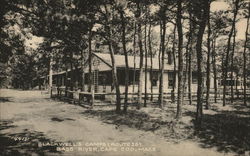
column 120, row 61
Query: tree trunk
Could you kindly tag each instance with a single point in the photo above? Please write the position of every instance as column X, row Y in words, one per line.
column 134, row 48
column 50, row 76
column 151, row 59
column 188, row 51
column 141, row 57
column 77, row 75
column 111, row 44
column 159, row 55
column 237, row 79
column 126, row 60
column 245, row 59
column 161, row 86
column 208, row 61
column 214, row 70
column 115, row 79
column 71, row 71
column 225, row 66
column 146, row 68
column 90, row 88
column 180, row 60
column 66, row 80
column 190, row 62
column 190, row 76
column 231, row 68
column 202, row 26
column 83, row 73
column 174, row 60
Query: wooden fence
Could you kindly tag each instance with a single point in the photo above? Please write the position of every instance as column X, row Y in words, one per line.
column 81, row 97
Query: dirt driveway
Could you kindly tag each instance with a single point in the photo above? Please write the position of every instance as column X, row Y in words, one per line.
column 33, row 124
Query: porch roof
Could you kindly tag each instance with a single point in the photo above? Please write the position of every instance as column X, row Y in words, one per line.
column 120, row 61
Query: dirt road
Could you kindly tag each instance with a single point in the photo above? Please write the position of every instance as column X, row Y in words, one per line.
column 33, row 124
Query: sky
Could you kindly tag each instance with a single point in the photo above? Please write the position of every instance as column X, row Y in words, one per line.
column 34, row 41
column 240, row 26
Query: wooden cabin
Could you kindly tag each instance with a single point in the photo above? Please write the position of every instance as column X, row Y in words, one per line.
column 102, row 75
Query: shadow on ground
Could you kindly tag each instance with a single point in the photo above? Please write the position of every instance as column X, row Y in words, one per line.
column 228, row 131
column 164, row 125
column 11, row 146
column 225, row 130
column 5, row 99
column 133, row 119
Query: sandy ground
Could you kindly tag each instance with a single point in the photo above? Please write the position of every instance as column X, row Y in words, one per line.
column 29, row 117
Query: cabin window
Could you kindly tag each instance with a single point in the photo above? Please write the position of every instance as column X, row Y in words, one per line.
column 228, row 82
column 171, row 80
column 133, row 77
column 86, row 78
column 154, row 78
column 104, row 78
column 154, row 82
column 121, row 77
column 169, row 58
column 194, row 80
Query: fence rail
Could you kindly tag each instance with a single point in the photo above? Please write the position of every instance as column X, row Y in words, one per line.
column 78, row 96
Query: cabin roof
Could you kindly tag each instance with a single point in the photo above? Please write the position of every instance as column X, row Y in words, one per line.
column 120, row 61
